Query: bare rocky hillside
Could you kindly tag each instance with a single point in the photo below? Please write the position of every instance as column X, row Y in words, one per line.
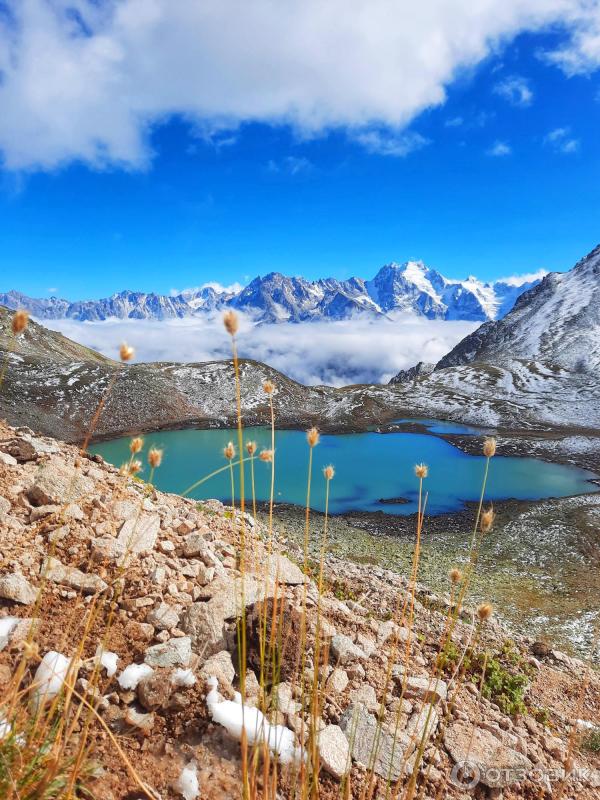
column 78, row 535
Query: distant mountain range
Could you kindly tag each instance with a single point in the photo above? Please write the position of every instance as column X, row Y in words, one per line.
column 536, row 369
column 411, row 287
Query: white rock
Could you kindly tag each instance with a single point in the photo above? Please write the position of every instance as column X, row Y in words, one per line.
column 18, row 589
column 138, row 535
column 7, row 625
column 334, row 750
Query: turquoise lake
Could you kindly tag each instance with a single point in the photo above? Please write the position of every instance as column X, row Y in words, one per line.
column 369, row 468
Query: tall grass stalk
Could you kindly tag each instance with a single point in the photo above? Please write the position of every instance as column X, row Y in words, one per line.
column 315, row 703
column 231, row 323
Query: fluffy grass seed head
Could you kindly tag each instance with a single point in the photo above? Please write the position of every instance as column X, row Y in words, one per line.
column 135, row 466
column 269, row 387
column 328, row 472
column 19, row 321
column 484, row 612
column 487, row 519
column 251, row 448
column 155, row 457
column 126, row 352
column 455, row 576
column 231, row 322
column 421, row 471
column 136, row 445
column 229, row 451
column 312, row 437
column 266, row 456
column 489, row 447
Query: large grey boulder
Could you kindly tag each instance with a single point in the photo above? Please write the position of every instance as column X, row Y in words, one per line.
column 374, row 745
column 334, row 751
column 164, row 617
column 174, row 653
column 205, row 628
column 491, row 762
column 53, row 570
column 138, row 534
column 18, row 589
column 57, row 483
column 426, row 688
column 344, row 650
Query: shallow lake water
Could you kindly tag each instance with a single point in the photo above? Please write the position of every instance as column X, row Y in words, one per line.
column 373, row 471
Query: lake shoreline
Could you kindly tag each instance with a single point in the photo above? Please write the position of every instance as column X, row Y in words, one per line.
column 579, row 447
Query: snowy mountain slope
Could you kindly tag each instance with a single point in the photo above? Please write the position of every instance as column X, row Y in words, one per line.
column 556, row 323
column 539, row 364
column 410, row 287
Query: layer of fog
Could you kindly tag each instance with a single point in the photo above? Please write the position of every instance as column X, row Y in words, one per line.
column 335, row 353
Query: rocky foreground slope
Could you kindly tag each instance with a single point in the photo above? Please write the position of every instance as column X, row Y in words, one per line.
column 68, row 521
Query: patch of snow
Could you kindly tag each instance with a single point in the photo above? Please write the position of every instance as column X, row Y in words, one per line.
column 183, row 677
column 133, row 674
column 187, row 784
column 236, row 717
column 50, row 676
column 107, row 660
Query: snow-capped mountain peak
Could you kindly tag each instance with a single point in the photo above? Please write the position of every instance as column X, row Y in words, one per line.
column 410, row 287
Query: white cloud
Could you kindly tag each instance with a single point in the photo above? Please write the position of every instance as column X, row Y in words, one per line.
column 218, row 287
column 560, row 139
column 500, row 149
column 291, row 165
column 384, row 143
column 454, row 122
column 526, row 277
column 515, row 90
column 337, row 353
column 86, row 81
column 580, row 54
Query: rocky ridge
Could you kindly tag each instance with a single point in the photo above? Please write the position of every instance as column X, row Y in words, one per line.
column 55, row 386
column 71, row 523
column 411, row 287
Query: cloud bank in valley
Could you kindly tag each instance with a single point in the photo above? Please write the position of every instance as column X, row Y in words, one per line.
column 335, row 353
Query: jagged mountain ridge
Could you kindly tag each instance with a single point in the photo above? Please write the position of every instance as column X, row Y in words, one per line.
column 411, row 287
column 556, row 323
column 539, row 362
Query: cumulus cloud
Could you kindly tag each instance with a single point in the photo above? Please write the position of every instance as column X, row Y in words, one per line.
column 83, row 80
column 527, row 277
column 231, row 288
column 335, row 353
column 499, row 149
column 515, row 90
column 560, row 139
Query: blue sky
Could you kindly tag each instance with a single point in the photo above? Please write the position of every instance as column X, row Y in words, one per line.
column 499, row 177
